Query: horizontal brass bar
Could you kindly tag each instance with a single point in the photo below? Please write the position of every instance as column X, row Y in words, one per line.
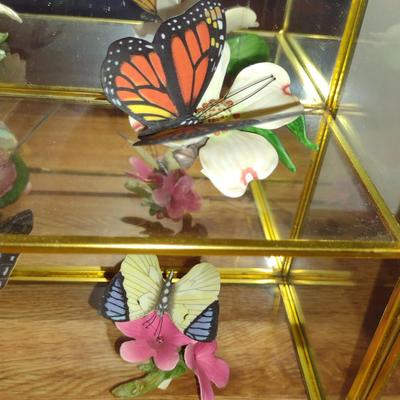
column 83, row 20
column 321, row 277
column 250, row 275
column 176, row 246
column 44, row 92
column 97, row 274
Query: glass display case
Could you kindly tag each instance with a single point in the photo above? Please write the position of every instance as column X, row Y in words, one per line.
column 309, row 260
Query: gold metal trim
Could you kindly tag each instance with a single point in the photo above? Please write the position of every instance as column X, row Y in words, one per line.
column 74, row 18
column 321, row 278
column 345, row 53
column 43, row 92
column 379, row 358
column 180, row 247
column 287, row 16
column 310, row 182
column 97, row 274
column 313, row 72
column 248, row 275
column 391, row 363
column 299, row 70
column 296, row 321
column 271, row 230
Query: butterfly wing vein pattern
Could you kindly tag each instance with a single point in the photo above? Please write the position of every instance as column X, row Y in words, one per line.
column 142, row 283
column 160, row 84
column 193, row 307
column 194, row 293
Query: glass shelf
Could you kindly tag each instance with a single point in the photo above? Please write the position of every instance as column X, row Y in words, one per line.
column 313, row 255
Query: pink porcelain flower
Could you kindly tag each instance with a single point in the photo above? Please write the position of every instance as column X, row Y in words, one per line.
column 200, row 357
column 176, row 194
column 163, row 345
column 140, row 170
column 170, row 192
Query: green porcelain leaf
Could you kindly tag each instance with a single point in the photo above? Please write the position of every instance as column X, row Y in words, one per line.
column 298, row 128
column 148, row 383
column 246, row 49
column 138, row 187
column 3, row 37
column 20, row 183
column 275, row 141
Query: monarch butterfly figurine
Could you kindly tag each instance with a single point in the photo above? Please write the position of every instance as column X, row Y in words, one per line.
column 160, row 84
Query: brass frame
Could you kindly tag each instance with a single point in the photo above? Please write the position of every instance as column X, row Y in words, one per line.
column 383, row 352
column 382, row 355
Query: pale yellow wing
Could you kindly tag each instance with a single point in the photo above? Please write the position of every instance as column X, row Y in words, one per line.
column 193, row 294
column 147, row 5
column 142, row 283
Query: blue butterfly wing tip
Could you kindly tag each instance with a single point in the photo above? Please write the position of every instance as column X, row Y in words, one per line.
column 204, row 328
column 114, row 305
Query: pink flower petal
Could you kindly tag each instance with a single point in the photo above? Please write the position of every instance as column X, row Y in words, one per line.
column 206, row 349
column 175, row 210
column 162, row 197
column 189, row 356
column 136, row 329
column 200, row 357
column 136, row 351
column 172, row 334
column 206, row 392
column 217, row 371
column 166, row 357
column 140, row 169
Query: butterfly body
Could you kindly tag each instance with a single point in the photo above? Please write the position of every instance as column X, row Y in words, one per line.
column 139, row 289
column 162, row 306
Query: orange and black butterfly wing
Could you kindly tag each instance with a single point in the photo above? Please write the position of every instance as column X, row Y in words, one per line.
column 134, row 80
column 160, row 84
column 190, row 46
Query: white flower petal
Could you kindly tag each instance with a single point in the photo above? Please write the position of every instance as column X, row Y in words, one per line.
column 214, row 88
column 265, row 93
column 240, row 18
column 234, row 158
column 10, row 13
column 135, row 124
column 165, row 384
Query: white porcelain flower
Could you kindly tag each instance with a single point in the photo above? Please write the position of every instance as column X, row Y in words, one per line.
column 259, row 87
column 10, row 13
column 233, row 159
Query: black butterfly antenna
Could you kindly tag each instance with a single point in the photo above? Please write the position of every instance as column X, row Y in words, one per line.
column 267, row 81
column 150, row 321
